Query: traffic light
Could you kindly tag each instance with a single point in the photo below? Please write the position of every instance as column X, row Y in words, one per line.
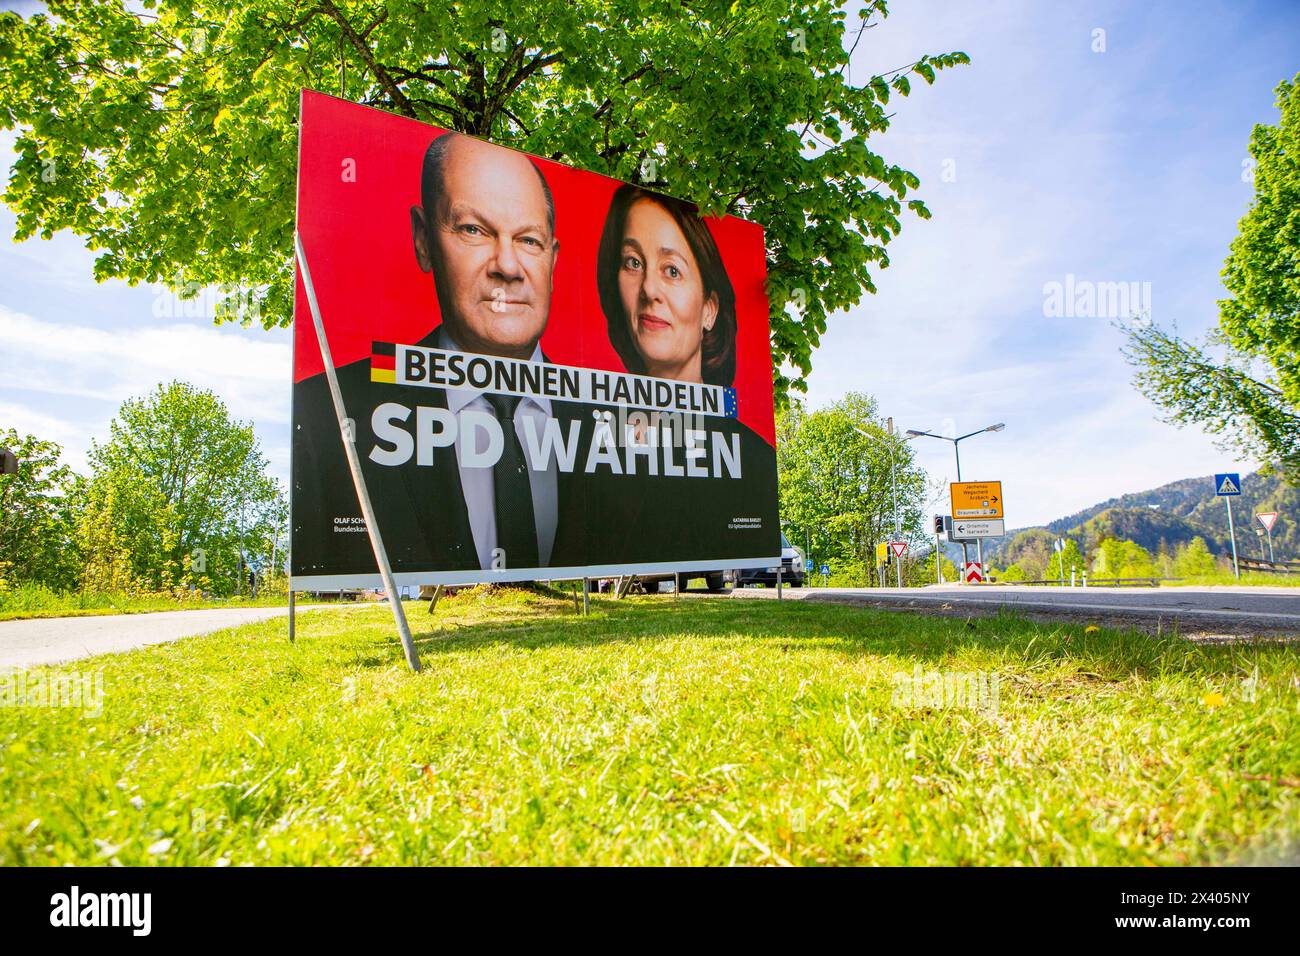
column 938, row 524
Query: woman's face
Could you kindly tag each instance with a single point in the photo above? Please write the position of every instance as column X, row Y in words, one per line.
column 663, row 297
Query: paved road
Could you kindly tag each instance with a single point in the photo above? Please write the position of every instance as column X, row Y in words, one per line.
column 54, row 639
column 1192, row 610
column 1231, row 609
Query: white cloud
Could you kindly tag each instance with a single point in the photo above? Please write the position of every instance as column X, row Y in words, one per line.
column 56, row 358
column 1104, row 166
column 65, row 381
column 74, row 440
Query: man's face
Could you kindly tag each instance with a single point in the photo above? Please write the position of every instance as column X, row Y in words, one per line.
column 490, row 248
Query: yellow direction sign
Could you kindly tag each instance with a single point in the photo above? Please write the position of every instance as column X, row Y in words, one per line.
column 977, row 499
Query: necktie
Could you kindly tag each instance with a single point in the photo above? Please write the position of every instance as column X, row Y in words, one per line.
column 512, row 494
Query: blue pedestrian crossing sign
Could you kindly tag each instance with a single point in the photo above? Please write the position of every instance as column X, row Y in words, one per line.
column 826, row 570
column 1227, row 483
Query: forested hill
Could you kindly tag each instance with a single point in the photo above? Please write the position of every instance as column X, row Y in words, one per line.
column 1176, row 513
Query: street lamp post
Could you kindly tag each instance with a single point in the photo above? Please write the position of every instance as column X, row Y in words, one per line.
column 893, row 481
column 914, row 433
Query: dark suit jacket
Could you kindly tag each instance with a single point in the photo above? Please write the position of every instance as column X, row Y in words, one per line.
column 420, row 509
column 644, row 518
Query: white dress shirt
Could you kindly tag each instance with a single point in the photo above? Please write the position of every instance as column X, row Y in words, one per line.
column 477, row 482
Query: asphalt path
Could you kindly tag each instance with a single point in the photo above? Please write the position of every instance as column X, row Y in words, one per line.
column 51, row 640
column 1235, row 610
column 1193, row 610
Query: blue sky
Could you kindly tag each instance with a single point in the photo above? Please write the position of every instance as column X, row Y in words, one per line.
column 1115, row 166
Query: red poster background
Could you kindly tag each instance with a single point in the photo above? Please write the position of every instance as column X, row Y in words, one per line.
column 357, row 237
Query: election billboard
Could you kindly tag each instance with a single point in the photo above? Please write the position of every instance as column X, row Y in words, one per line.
column 544, row 372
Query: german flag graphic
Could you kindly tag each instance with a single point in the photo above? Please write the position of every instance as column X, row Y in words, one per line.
column 382, row 368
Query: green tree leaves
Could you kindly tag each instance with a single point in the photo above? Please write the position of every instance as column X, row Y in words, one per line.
column 836, row 489
column 1262, row 313
column 167, row 137
column 180, row 489
column 1194, row 560
column 1062, row 563
column 38, row 512
column 1115, row 558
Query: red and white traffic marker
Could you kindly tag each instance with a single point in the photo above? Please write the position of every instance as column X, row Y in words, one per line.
column 974, row 573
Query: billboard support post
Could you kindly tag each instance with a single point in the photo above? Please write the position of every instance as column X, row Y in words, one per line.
column 349, row 447
column 586, row 596
column 290, row 615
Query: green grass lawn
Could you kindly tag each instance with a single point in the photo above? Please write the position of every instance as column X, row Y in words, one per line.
column 662, row 731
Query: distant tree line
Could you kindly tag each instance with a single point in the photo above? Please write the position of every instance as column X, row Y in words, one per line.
column 1110, row 558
